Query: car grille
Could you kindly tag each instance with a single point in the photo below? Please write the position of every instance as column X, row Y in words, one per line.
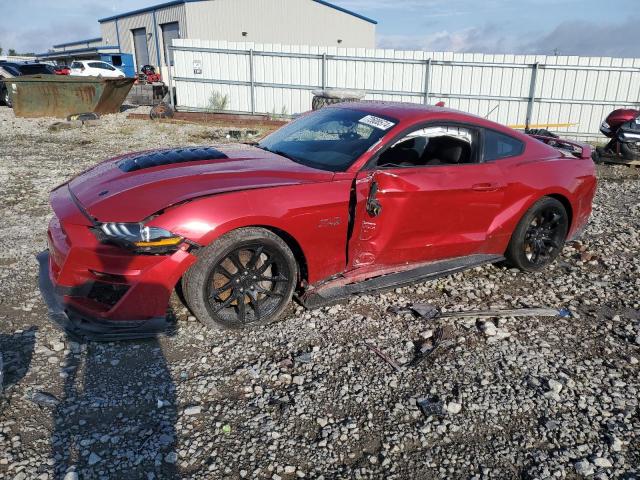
column 107, row 293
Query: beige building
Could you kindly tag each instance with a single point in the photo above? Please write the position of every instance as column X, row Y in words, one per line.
column 147, row 33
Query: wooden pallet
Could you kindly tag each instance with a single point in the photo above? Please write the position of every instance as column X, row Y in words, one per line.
column 619, row 161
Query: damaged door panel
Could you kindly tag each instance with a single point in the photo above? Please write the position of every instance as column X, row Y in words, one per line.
column 418, row 214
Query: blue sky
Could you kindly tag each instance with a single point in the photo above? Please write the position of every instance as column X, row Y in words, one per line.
column 573, row 27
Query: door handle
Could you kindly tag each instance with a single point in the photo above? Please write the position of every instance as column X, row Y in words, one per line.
column 485, row 187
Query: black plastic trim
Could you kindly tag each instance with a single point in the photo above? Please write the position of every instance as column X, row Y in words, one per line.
column 157, row 158
column 328, row 295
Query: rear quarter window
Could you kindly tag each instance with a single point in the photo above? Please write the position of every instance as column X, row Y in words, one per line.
column 498, row 145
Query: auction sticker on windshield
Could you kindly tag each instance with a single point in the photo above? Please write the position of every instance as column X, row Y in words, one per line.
column 377, row 122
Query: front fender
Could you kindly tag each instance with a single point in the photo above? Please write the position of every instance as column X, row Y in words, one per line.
column 314, row 215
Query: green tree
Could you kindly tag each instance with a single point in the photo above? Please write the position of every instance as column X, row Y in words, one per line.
column 1, row 50
column 12, row 52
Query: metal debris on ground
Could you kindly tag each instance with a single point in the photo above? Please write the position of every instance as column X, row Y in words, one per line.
column 383, row 356
column 430, row 406
column 429, row 312
column 162, row 110
column 84, row 117
column 44, row 399
column 438, row 341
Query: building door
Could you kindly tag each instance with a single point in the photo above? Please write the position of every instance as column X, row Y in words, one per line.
column 170, row 31
column 140, row 47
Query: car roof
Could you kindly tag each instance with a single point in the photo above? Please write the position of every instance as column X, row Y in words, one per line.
column 406, row 112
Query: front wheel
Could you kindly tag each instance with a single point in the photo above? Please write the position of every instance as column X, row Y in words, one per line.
column 539, row 237
column 244, row 279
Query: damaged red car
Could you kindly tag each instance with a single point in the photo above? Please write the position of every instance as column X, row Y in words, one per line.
column 350, row 199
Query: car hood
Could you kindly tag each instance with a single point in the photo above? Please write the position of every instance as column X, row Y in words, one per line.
column 133, row 187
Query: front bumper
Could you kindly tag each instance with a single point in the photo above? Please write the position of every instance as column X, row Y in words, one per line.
column 82, row 326
column 103, row 291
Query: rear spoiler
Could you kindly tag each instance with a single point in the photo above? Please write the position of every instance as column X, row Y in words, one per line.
column 580, row 150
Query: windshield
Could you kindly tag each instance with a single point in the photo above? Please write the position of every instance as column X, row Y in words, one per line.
column 329, row 139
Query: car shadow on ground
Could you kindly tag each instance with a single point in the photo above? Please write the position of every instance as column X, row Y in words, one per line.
column 16, row 351
column 117, row 413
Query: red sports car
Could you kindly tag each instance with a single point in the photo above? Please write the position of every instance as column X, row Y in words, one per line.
column 349, row 199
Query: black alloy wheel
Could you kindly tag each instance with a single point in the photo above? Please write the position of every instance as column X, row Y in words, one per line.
column 244, row 279
column 540, row 235
column 248, row 284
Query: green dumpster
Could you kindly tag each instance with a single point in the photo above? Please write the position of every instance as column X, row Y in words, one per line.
column 64, row 95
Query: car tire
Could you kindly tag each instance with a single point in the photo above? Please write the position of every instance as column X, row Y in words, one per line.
column 539, row 237
column 223, row 295
column 630, row 151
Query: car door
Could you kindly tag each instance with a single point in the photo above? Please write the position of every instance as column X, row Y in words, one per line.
column 413, row 207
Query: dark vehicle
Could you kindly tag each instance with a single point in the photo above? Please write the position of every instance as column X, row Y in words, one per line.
column 18, row 69
column 622, row 126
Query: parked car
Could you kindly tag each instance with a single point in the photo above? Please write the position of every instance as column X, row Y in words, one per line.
column 62, row 70
column 95, row 68
column 352, row 198
column 16, row 69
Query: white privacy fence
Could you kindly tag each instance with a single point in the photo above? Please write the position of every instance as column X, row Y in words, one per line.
column 570, row 94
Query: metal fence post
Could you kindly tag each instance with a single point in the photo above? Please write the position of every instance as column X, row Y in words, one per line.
column 532, row 94
column 252, row 82
column 172, row 100
column 324, row 71
column 427, row 80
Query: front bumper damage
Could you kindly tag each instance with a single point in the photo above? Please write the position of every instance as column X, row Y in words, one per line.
column 103, row 292
column 82, row 326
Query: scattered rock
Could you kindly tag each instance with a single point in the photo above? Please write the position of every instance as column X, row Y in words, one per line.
column 602, row 462
column 453, row 407
column 584, row 468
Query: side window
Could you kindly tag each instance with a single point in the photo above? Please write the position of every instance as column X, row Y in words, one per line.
column 433, row 145
column 498, row 145
column 76, row 65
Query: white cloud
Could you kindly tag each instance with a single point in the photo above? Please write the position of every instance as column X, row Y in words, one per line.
column 568, row 38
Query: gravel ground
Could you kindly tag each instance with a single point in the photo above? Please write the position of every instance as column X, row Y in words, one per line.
column 530, row 397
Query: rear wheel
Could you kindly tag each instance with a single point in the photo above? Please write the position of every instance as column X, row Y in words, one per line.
column 630, row 151
column 540, row 235
column 245, row 279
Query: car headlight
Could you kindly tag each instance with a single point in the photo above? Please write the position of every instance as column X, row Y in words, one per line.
column 138, row 237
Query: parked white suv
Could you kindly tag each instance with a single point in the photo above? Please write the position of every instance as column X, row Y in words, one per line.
column 95, row 68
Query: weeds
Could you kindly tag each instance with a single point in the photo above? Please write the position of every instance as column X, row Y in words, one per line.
column 218, row 101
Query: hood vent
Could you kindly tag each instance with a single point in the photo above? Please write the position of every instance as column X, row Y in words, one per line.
column 158, row 158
